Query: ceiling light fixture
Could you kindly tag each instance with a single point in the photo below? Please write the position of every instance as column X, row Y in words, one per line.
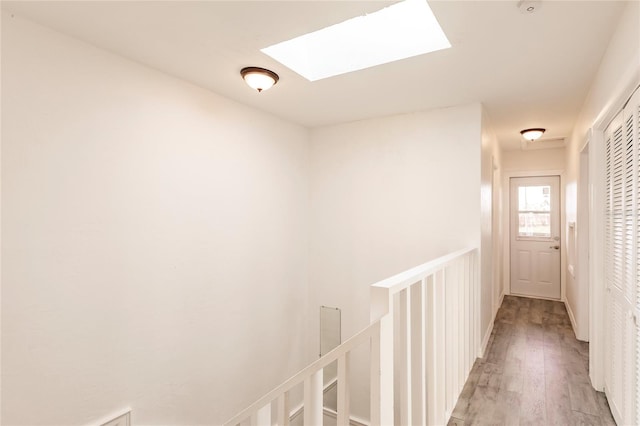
column 259, row 79
column 532, row 134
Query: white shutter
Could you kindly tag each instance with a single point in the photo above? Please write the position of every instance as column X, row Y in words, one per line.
column 609, row 358
column 636, row 109
column 622, row 264
column 634, row 106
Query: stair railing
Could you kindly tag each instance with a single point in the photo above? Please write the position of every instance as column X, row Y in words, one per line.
column 423, row 339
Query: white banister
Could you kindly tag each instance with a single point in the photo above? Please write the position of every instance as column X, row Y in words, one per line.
column 424, row 327
column 313, row 399
column 386, row 403
column 417, row 353
column 404, row 362
column 375, row 381
column 359, row 339
column 262, row 416
column 343, row 389
column 283, row 410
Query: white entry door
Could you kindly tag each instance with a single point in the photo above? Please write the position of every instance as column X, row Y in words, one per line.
column 535, row 236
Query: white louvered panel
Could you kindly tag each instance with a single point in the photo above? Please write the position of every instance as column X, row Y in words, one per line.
column 633, row 135
column 609, row 209
column 617, row 187
column 628, row 402
column 622, row 263
column 617, row 366
column 637, row 375
column 629, row 367
column 636, row 207
column 630, row 201
column 609, row 359
column 636, row 132
column 608, row 337
column 616, row 263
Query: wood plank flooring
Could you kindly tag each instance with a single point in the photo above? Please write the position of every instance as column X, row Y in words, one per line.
column 535, row 372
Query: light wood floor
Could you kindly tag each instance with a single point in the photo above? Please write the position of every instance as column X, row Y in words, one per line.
column 535, row 372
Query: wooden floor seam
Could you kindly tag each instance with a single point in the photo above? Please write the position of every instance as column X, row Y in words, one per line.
column 535, row 372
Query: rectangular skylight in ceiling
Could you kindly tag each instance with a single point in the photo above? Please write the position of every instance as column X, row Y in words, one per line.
column 400, row 31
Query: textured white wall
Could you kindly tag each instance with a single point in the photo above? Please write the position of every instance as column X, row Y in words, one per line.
column 619, row 66
column 491, row 230
column 388, row 194
column 154, row 240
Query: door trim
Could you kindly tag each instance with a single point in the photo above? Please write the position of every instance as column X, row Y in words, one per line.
column 506, row 245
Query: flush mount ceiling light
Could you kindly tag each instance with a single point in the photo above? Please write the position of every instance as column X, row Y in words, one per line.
column 259, row 79
column 402, row 30
column 532, row 134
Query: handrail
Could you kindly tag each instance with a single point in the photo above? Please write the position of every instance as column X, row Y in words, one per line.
column 404, row 279
column 383, row 290
column 333, row 355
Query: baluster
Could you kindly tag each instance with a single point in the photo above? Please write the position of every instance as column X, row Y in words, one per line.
column 375, row 376
column 439, row 348
column 385, row 383
column 283, row 409
column 343, row 389
column 313, row 399
column 468, row 317
column 262, row 417
column 462, row 336
column 476, row 303
column 450, row 336
column 404, row 357
column 417, row 353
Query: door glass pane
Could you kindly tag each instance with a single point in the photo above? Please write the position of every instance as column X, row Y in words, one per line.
column 534, row 207
column 532, row 224
column 534, row 198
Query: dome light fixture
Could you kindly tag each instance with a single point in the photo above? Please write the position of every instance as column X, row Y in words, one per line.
column 259, row 79
column 532, row 134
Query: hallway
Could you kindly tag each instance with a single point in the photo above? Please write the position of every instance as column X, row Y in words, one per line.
column 535, row 372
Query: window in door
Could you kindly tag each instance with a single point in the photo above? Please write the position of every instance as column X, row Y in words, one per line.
column 534, row 211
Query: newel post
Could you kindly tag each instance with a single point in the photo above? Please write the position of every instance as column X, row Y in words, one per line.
column 382, row 359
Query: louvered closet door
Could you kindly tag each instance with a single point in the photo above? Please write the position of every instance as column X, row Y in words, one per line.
column 622, row 264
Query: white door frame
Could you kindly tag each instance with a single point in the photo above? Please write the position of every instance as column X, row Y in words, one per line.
column 506, row 265
column 597, row 190
column 537, row 247
column 582, row 243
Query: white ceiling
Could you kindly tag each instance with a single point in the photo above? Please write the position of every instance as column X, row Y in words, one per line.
column 528, row 70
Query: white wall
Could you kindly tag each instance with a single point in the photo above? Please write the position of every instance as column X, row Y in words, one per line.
column 534, row 160
column 619, row 67
column 154, row 245
column 388, row 194
column 491, row 226
column 524, row 163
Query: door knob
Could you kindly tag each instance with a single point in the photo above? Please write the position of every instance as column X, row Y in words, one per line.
column 555, row 247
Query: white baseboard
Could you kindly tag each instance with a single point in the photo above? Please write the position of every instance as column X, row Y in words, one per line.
column 485, row 339
column 574, row 325
column 498, row 306
column 487, row 334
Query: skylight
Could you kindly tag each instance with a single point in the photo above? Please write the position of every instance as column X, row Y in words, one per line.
column 400, row 31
